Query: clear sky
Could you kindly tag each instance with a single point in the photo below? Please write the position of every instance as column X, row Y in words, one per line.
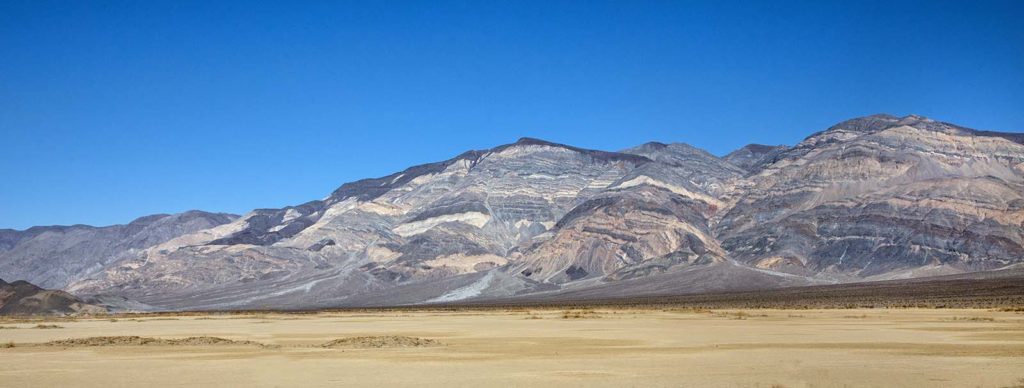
column 114, row 110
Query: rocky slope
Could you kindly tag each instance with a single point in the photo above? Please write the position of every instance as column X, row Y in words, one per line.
column 24, row 298
column 55, row 256
column 870, row 198
column 883, row 196
column 752, row 157
column 531, row 215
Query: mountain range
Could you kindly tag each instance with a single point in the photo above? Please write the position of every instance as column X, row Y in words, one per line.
column 872, row 198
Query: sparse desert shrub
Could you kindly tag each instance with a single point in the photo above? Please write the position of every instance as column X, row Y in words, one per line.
column 141, row 341
column 975, row 319
column 685, row 310
column 8, row 345
column 7, row 327
column 44, row 326
column 738, row 315
column 391, row 341
column 578, row 314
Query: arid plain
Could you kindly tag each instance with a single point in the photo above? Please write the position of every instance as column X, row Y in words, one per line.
column 523, row 347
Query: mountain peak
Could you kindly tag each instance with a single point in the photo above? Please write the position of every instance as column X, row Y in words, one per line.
column 882, row 115
column 534, row 141
column 653, row 145
column 596, row 154
column 872, row 123
column 653, row 149
column 883, row 121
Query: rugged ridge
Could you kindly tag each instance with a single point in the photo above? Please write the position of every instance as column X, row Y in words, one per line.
column 876, row 197
column 463, row 216
column 884, row 196
column 55, row 256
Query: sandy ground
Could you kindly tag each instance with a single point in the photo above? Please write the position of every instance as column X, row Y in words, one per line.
column 753, row 348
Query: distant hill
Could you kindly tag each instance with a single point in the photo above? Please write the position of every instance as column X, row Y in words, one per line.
column 24, row 298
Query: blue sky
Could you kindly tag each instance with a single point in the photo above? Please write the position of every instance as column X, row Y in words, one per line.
column 114, row 110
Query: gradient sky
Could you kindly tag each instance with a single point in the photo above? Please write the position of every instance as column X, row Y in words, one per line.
column 110, row 110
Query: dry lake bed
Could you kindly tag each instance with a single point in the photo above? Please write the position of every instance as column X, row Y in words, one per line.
column 523, row 347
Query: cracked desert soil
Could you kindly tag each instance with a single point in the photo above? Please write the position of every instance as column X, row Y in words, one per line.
column 534, row 347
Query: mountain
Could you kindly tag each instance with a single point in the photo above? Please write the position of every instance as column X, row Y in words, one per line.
column 871, row 198
column 24, row 298
column 55, row 256
column 523, row 217
column 883, row 196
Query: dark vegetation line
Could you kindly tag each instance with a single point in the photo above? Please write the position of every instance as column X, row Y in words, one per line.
column 1005, row 293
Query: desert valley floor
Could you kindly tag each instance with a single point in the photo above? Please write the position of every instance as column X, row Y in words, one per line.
column 523, row 347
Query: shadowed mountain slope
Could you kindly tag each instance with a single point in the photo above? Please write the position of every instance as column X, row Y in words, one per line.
column 24, row 298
